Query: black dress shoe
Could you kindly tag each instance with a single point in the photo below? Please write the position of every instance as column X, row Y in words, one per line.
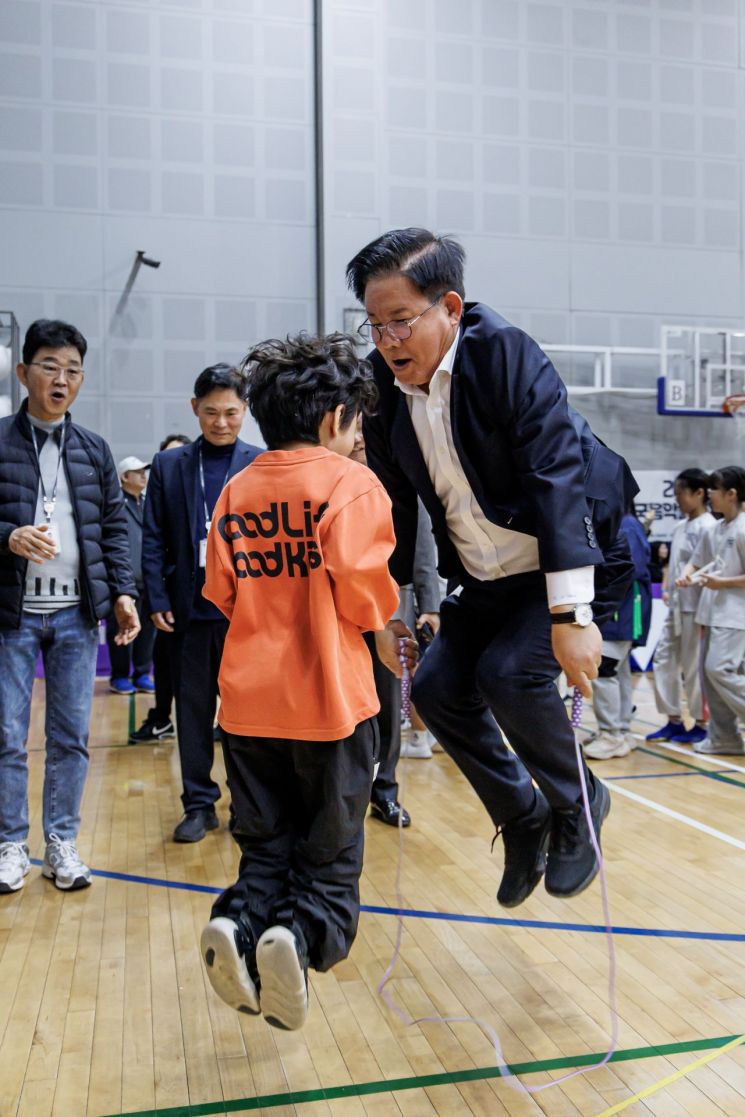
column 194, row 825
column 525, row 843
column 389, row 811
column 572, row 864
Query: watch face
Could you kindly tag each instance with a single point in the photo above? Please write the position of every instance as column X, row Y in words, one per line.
column 583, row 615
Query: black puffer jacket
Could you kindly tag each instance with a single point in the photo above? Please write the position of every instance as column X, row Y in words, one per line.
column 98, row 506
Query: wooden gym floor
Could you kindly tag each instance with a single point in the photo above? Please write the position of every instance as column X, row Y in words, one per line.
column 105, row 1009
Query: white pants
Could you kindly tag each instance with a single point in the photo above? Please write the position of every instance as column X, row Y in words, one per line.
column 612, row 698
column 677, row 656
column 724, row 653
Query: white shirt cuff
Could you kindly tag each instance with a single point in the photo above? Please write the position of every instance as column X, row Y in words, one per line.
column 571, row 587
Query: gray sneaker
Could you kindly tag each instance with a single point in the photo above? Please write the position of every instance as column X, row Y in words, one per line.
column 14, row 864
column 719, row 748
column 63, row 865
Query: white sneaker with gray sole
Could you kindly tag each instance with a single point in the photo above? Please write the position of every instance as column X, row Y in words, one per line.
column 719, row 748
column 227, row 955
column 417, row 744
column 607, row 745
column 284, row 986
column 14, row 864
column 64, row 865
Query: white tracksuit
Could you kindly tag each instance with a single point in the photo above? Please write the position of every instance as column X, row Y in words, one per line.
column 678, row 653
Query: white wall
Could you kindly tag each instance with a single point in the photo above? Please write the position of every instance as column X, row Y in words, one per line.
column 588, row 152
column 183, row 128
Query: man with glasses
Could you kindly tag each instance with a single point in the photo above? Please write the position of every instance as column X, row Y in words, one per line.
column 474, row 419
column 182, row 492
column 64, row 565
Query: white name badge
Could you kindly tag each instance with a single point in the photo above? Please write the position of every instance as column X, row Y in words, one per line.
column 202, row 552
column 54, row 537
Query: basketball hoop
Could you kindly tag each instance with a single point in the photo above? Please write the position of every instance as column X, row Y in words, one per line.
column 735, row 406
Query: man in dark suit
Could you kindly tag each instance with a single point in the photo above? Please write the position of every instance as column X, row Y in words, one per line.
column 182, row 492
column 474, row 419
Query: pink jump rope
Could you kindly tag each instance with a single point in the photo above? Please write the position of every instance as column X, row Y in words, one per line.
column 486, row 1028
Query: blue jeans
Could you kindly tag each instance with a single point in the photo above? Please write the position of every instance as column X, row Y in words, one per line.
column 68, row 644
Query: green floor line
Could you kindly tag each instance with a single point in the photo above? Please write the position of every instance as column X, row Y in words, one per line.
column 131, row 714
column 424, row 1081
column 693, row 767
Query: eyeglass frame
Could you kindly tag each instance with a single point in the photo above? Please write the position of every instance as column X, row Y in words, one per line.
column 386, row 327
column 71, row 372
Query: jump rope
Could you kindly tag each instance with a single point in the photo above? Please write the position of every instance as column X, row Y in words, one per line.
column 408, row 1020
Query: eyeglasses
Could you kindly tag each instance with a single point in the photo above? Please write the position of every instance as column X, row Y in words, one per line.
column 51, row 369
column 399, row 329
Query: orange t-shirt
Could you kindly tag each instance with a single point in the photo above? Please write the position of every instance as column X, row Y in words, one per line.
column 297, row 560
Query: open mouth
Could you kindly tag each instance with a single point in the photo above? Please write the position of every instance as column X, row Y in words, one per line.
column 401, row 363
column 58, row 396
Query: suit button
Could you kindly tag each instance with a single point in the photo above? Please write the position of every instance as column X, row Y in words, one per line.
column 587, row 520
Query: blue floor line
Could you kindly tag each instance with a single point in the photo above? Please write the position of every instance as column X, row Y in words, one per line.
column 450, row 917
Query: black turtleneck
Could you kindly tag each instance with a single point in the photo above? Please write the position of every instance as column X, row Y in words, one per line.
column 216, row 463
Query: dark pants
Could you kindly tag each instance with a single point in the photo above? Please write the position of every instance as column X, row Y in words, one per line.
column 162, row 677
column 389, row 725
column 299, row 822
column 135, row 658
column 195, row 663
column 492, row 659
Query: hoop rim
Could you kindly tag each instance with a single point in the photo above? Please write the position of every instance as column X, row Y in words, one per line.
column 734, row 404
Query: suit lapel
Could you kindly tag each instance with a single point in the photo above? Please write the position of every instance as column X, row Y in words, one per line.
column 240, row 459
column 406, row 447
column 188, row 468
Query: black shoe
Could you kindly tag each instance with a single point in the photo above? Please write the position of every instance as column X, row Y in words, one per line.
column 572, row 863
column 525, row 843
column 152, row 730
column 389, row 811
column 229, row 953
column 194, row 825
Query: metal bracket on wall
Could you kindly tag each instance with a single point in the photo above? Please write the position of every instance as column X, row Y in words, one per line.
column 10, row 355
column 139, row 260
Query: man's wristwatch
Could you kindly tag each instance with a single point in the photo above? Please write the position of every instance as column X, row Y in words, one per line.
column 580, row 615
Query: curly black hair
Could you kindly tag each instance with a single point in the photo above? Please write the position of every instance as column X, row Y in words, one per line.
column 293, row 383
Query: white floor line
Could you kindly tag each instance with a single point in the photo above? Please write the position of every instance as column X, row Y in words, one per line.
column 684, row 818
column 718, row 761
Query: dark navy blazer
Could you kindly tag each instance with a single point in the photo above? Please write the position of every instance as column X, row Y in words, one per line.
column 532, row 462
column 169, row 560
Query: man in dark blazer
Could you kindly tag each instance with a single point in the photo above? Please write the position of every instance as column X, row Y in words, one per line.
column 474, row 419
column 182, row 492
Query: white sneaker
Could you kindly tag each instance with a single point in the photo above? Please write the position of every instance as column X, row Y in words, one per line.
column 228, row 953
column 719, row 748
column 14, row 864
column 631, row 740
column 282, row 974
column 607, row 745
column 63, row 865
column 417, row 744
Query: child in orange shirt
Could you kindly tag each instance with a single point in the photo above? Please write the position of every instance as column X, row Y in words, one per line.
column 297, row 560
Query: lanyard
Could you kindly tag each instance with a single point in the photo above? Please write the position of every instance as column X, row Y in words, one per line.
column 49, row 502
column 207, row 515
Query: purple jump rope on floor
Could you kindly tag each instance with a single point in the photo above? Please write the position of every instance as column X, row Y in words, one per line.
column 486, row 1028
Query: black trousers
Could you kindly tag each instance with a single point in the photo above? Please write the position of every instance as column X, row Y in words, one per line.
column 389, row 726
column 133, row 659
column 195, row 663
column 162, row 677
column 299, row 821
column 491, row 662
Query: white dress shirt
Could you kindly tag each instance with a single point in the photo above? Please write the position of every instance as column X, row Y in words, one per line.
column 486, row 550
